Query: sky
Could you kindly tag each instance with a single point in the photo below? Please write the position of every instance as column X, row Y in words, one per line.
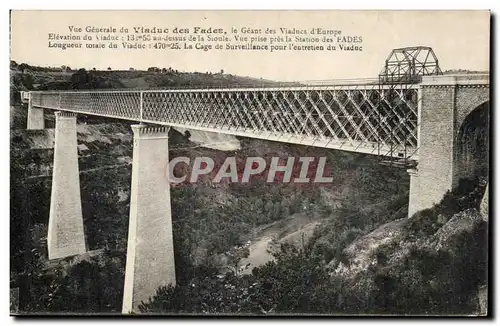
column 460, row 40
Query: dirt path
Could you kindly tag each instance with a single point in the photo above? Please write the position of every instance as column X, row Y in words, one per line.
column 260, row 253
column 296, row 229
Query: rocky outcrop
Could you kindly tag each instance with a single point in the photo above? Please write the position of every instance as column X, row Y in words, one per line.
column 460, row 223
column 362, row 252
column 211, row 140
column 482, row 295
column 393, row 243
column 14, row 300
column 108, row 134
column 484, row 205
column 483, row 290
column 33, row 139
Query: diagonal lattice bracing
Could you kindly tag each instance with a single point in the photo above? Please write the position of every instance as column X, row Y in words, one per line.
column 369, row 118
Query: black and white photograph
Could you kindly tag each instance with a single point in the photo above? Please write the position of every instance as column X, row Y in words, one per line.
column 249, row 163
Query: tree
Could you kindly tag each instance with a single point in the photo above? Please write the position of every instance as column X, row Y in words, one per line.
column 23, row 66
column 80, row 79
column 235, row 255
column 89, row 286
column 297, row 282
column 109, row 68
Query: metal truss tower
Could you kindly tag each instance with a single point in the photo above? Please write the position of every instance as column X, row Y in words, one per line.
column 403, row 69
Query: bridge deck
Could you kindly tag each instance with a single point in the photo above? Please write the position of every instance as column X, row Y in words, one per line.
column 366, row 118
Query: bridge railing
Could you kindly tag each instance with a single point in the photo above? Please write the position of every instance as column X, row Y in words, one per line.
column 371, row 118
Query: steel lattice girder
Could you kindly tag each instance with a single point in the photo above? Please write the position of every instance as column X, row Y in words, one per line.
column 370, row 118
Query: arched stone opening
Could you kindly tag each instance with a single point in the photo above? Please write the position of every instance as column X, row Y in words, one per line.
column 472, row 146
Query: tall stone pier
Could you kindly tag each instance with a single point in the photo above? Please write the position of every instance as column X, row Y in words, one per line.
column 445, row 102
column 66, row 234
column 150, row 250
column 35, row 117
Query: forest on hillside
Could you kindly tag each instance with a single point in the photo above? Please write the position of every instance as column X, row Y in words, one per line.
column 26, row 77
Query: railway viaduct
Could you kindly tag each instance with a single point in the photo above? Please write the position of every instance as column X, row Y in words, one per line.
column 427, row 124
